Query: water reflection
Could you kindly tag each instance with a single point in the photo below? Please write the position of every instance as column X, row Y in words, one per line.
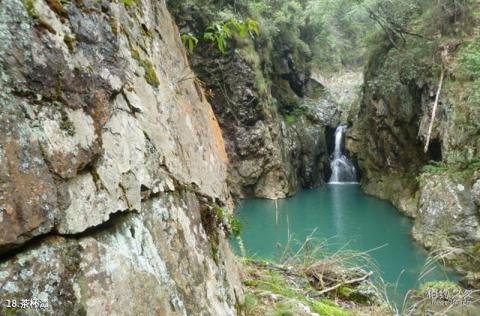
column 348, row 219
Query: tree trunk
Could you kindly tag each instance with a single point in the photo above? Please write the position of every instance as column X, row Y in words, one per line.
column 434, row 111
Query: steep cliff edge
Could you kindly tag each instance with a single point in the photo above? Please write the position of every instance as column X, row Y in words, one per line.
column 438, row 188
column 111, row 165
column 272, row 114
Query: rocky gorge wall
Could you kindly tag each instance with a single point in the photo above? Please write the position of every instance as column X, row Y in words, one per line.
column 438, row 188
column 273, row 115
column 111, row 165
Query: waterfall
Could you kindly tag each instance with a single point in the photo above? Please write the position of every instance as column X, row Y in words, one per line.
column 343, row 170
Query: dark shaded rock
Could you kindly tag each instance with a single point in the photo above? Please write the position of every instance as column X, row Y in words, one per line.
column 254, row 88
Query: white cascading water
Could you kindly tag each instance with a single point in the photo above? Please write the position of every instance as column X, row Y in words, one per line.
column 343, row 170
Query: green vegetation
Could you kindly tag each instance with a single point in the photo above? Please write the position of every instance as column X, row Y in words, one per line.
column 415, row 43
column 70, row 42
column 150, row 74
column 114, row 25
column 220, row 32
column 250, row 303
column 39, row 22
column 435, row 167
column 461, row 169
column 189, row 41
column 439, row 286
column 233, row 224
column 129, row 3
column 215, row 219
column 67, row 126
column 469, row 260
column 267, row 277
column 328, row 307
column 330, row 34
column 305, row 275
column 470, row 63
column 30, row 6
column 293, row 116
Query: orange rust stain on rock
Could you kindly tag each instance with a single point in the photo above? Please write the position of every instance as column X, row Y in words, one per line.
column 57, row 7
column 101, row 111
column 29, row 195
column 68, row 164
column 186, row 106
column 187, row 109
column 217, row 133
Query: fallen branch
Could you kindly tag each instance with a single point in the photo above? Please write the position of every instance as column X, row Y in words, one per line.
column 336, row 286
column 434, row 111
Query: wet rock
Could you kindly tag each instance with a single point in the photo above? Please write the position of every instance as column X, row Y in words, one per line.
column 394, row 187
column 322, row 112
column 309, row 147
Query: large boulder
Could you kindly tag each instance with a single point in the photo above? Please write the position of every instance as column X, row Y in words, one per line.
column 109, row 163
column 447, row 215
column 154, row 263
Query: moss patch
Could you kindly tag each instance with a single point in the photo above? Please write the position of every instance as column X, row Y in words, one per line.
column 462, row 169
column 129, row 3
column 114, row 25
column 328, row 308
column 32, row 12
column 274, row 289
column 438, row 286
column 294, row 116
column 67, row 126
column 70, row 42
column 30, row 6
column 150, row 74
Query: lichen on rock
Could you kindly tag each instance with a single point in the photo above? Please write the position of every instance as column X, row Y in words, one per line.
column 102, row 174
column 447, row 215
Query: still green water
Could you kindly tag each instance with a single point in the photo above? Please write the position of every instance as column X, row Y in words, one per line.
column 349, row 219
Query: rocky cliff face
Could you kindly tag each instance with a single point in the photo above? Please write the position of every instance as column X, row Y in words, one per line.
column 110, row 165
column 446, row 213
column 437, row 188
column 273, row 116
